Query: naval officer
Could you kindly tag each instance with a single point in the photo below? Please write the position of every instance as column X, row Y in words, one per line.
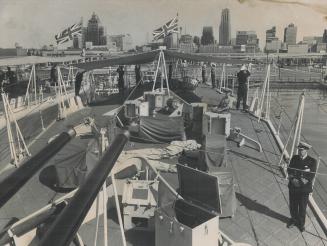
column 301, row 173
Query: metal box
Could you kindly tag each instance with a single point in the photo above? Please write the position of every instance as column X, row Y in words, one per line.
column 160, row 101
column 144, row 109
column 131, row 109
column 150, row 97
column 193, row 221
column 214, row 123
column 139, row 203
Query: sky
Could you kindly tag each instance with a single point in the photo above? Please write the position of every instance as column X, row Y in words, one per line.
column 33, row 23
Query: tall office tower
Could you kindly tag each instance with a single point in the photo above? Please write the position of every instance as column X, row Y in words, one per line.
column 225, row 28
column 290, row 34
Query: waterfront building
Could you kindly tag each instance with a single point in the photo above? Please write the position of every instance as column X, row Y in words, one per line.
column 186, row 39
column 207, row 35
column 95, row 32
column 171, row 41
column 186, row 44
column 290, row 33
column 79, row 40
column 312, row 42
column 248, row 39
column 271, row 35
column 188, row 47
column 297, row 48
column 321, row 47
column 215, row 48
column 17, row 51
column 123, row 42
column 225, row 28
column 273, row 46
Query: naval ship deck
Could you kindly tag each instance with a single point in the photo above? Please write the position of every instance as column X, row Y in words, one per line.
column 261, row 190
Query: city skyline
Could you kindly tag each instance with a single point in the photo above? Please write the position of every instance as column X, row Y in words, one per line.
column 120, row 17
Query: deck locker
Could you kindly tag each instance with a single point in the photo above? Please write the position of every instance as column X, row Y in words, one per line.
column 194, row 220
column 214, row 123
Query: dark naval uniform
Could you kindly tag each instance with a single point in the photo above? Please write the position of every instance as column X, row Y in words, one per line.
column 120, row 71
column 300, row 186
column 213, row 77
column 203, row 74
column 242, row 91
column 78, row 82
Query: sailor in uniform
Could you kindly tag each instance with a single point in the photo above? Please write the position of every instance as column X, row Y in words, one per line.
column 121, row 83
column 203, row 73
column 213, row 75
column 242, row 91
column 301, row 173
column 78, row 81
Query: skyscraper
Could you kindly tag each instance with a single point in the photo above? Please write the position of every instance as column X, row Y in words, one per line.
column 324, row 36
column 207, row 35
column 247, row 38
column 272, row 42
column 290, row 34
column 225, row 28
column 271, row 35
column 95, row 32
column 79, row 40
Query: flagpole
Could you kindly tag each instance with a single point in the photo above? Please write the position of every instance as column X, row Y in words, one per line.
column 179, row 33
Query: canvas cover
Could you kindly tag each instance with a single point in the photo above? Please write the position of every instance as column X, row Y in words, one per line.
column 69, row 168
column 161, row 129
column 214, row 154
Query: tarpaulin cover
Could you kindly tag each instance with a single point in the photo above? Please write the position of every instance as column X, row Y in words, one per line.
column 203, row 57
column 70, row 167
column 161, row 129
column 215, row 152
column 140, row 58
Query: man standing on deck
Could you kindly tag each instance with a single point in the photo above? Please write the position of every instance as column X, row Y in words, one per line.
column 53, row 74
column 213, row 75
column 242, row 91
column 137, row 73
column 2, row 78
column 120, row 71
column 170, row 73
column 78, row 82
column 12, row 80
column 301, row 173
column 203, row 73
